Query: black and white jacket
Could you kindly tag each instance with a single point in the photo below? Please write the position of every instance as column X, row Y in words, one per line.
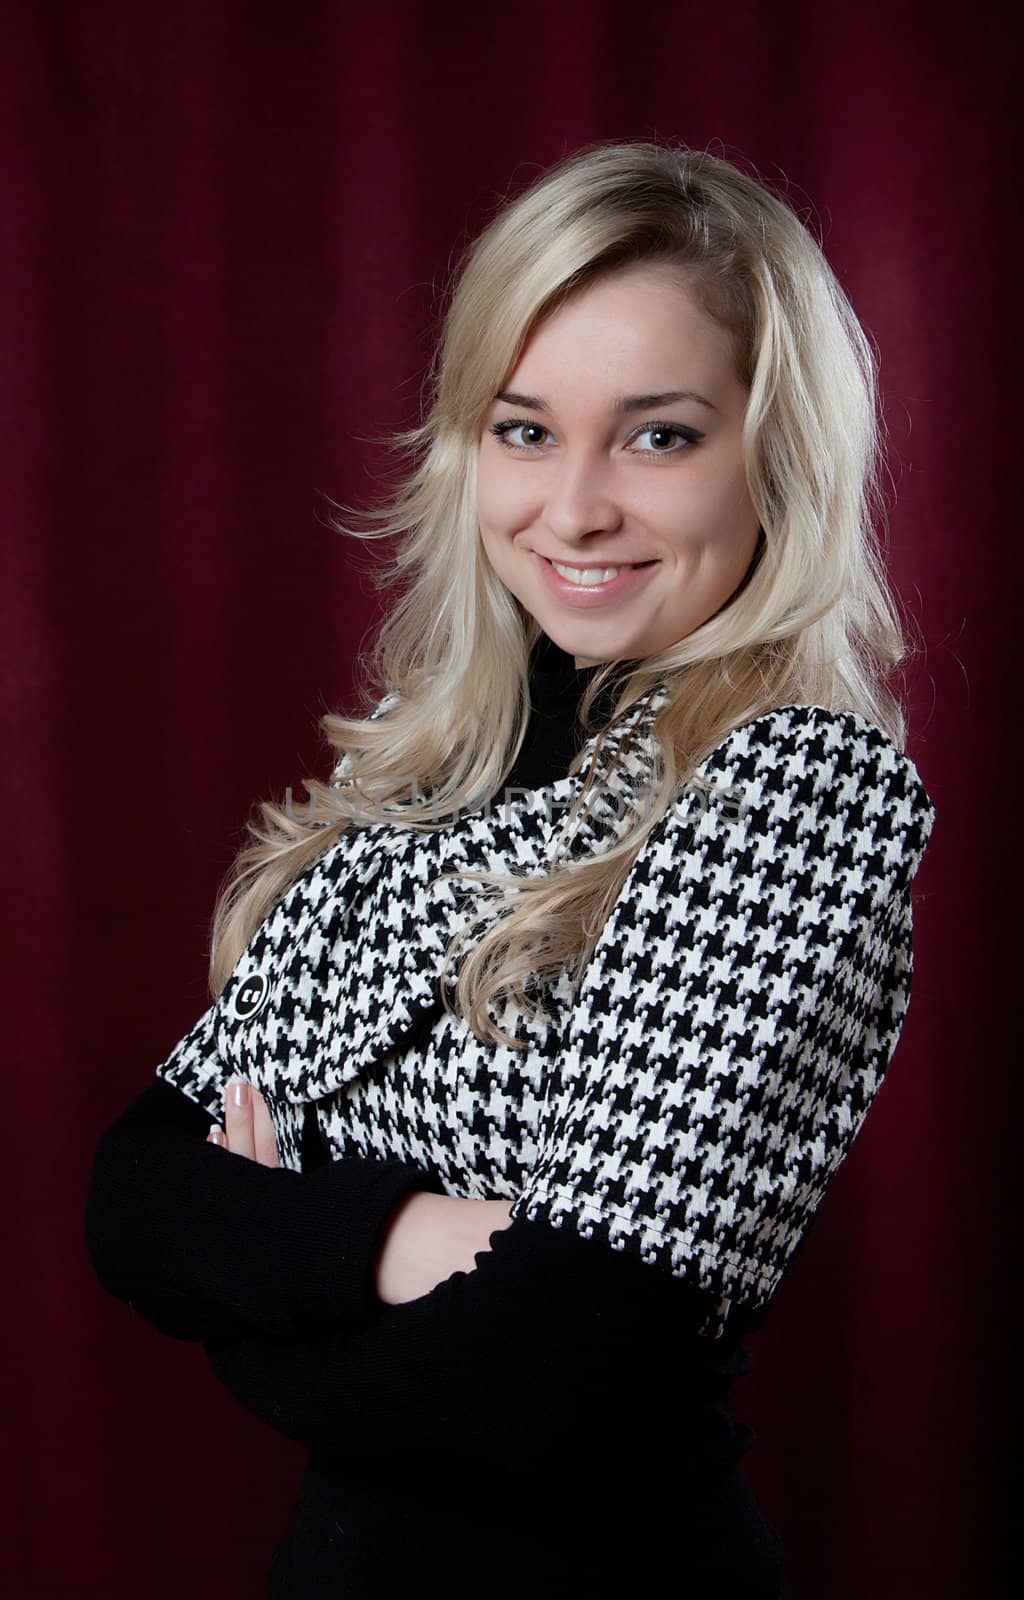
column 692, row 1101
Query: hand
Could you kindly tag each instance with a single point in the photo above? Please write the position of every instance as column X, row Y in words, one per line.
column 248, row 1130
column 429, row 1237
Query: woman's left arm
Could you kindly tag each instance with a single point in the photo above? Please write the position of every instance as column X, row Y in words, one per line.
column 741, row 1007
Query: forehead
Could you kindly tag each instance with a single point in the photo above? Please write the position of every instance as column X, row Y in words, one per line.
column 640, row 326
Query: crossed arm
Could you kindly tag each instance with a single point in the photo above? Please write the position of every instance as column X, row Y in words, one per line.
column 429, row 1236
column 207, row 1243
column 349, row 1307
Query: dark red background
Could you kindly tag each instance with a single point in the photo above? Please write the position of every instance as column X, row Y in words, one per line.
column 226, row 228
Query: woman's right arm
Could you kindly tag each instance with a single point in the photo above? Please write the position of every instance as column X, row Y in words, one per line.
column 206, row 1244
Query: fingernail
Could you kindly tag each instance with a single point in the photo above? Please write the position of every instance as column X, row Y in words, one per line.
column 215, row 1136
column 240, row 1093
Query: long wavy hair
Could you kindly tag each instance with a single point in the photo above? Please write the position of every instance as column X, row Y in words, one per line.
column 813, row 621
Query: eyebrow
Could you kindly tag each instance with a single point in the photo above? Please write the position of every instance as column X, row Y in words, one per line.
column 624, row 404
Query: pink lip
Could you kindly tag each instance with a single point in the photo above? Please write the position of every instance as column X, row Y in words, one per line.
column 601, row 593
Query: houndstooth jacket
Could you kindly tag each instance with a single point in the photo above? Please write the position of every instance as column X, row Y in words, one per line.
column 693, row 1099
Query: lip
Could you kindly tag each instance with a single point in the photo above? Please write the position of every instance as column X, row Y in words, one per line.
column 627, row 583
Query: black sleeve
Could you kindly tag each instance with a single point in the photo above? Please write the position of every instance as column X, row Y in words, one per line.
column 206, row 1244
column 551, row 1333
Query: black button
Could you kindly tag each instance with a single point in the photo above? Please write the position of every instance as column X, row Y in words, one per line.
column 250, row 995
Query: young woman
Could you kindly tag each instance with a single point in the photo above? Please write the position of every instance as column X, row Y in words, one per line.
column 539, row 1036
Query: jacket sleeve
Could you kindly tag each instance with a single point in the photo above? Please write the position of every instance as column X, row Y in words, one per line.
column 204, row 1243
column 741, row 1007
column 551, row 1335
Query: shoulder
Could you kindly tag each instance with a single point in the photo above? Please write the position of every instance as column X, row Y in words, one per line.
column 813, row 749
column 817, row 777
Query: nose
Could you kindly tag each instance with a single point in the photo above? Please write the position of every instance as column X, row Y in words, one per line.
column 578, row 502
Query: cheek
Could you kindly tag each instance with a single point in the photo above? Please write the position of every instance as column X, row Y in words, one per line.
column 714, row 506
column 504, row 498
column 491, row 501
column 728, row 487
column 493, row 536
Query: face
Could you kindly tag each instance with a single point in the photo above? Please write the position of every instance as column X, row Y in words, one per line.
column 618, row 515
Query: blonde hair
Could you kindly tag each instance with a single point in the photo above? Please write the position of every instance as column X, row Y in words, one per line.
column 813, row 621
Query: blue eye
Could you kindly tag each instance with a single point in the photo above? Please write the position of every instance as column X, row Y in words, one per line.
column 674, row 430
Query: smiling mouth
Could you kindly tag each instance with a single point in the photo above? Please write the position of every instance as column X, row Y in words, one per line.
column 592, row 577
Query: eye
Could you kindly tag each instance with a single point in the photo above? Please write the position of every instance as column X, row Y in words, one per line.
column 668, row 430
column 687, row 437
column 500, row 429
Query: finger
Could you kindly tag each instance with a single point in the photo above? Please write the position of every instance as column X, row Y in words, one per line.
column 263, row 1131
column 215, row 1136
column 238, row 1118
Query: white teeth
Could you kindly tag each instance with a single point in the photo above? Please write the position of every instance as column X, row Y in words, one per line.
column 588, row 577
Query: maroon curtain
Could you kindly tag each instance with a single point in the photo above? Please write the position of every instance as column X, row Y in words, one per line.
column 226, row 230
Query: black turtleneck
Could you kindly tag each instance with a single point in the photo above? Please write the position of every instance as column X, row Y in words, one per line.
column 554, row 732
column 548, row 1424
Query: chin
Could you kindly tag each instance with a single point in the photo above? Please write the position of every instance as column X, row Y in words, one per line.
column 591, row 651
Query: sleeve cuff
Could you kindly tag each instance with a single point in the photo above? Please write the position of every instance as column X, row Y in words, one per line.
column 345, row 1208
